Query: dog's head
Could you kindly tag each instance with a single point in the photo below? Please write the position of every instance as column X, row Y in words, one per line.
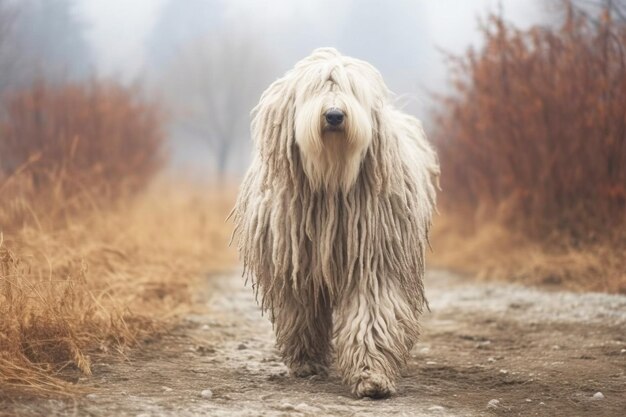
column 328, row 106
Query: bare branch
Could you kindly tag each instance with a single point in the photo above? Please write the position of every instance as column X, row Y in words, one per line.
column 212, row 85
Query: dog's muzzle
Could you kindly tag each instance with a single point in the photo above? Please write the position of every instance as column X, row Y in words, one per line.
column 334, row 117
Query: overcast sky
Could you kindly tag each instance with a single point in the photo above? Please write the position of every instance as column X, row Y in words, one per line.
column 118, row 28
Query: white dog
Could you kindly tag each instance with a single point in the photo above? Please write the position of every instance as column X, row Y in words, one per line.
column 333, row 217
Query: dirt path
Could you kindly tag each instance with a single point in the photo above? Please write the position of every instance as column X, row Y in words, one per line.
column 528, row 352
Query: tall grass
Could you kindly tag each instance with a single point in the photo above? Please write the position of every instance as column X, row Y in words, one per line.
column 103, row 282
column 533, row 137
column 94, row 256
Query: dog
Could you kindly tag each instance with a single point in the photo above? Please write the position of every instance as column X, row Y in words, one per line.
column 332, row 221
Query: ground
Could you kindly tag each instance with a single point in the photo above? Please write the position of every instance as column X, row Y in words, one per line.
column 486, row 349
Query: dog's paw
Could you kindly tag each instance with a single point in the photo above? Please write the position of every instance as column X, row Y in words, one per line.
column 374, row 385
column 307, row 369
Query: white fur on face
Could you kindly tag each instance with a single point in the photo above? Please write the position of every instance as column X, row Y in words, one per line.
column 332, row 157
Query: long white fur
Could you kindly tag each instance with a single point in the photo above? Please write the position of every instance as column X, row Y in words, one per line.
column 336, row 222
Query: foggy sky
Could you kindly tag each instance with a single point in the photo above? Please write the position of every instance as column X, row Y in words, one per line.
column 118, row 29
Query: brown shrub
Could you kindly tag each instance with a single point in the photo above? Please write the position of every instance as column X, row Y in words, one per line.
column 535, row 131
column 96, row 138
column 532, row 143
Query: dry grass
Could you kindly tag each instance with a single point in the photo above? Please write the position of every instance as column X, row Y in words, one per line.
column 491, row 250
column 533, row 153
column 102, row 281
column 90, row 261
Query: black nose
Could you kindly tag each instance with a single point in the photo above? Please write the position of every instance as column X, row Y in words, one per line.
column 334, row 117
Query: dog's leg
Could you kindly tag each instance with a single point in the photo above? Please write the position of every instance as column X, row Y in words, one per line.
column 303, row 334
column 376, row 327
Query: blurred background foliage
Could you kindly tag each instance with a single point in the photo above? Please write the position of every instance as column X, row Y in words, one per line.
column 535, row 127
column 532, row 142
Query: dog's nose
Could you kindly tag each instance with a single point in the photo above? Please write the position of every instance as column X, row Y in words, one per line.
column 334, row 117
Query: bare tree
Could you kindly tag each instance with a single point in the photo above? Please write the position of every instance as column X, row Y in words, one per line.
column 41, row 39
column 8, row 51
column 211, row 86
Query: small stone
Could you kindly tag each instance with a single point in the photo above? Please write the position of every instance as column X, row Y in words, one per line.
column 205, row 350
column 166, row 389
column 206, row 393
column 556, row 347
column 227, row 397
column 431, row 363
column 528, row 400
column 305, row 408
column 205, row 327
column 436, row 408
column 542, row 403
column 287, row 407
column 491, row 359
column 277, row 376
column 91, row 396
column 504, row 371
column 493, row 403
column 598, row 396
column 622, row 351
column 242, row 346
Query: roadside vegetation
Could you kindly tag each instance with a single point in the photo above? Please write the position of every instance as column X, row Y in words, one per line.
column 532, row 142
column 97, row 252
